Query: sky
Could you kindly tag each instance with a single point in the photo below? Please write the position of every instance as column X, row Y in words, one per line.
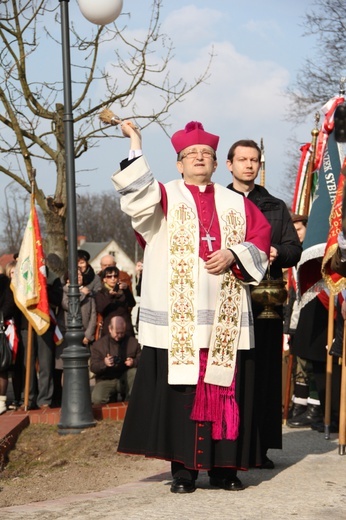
column 259, row 48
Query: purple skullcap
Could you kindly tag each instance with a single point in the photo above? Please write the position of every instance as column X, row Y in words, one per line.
column 192, row 134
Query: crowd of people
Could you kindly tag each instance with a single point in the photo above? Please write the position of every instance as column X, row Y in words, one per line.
column 202, row 367
column 106, row 303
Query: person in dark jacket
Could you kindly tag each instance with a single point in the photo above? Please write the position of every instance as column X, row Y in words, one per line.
column 17, row 369
column 306, row 404
column 90, row 279
column 114, row 360
column 243, row 161
column 8, row 308
column 114, row 299
column 41, row 385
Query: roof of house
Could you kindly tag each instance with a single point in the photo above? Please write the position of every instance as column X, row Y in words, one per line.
column 5, row 259
column 94, row 248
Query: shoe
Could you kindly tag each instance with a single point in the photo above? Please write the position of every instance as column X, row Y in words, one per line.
column 30, row 407
column 266, row 464
column 300, row 421
column 182, row 485
column 3, row 407
column 312, row 413
column 229, row 484
column 297, row 409
column 14, row 405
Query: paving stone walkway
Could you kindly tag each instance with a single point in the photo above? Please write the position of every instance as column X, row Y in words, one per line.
column 308, row 483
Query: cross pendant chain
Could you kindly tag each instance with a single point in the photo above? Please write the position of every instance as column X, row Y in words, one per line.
column 207, row 237
column 209, row 240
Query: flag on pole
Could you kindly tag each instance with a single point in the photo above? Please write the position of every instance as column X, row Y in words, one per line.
column 310, row 281
column 29, row 282
column 334, row 281
column 301, row 180
column 326, row 129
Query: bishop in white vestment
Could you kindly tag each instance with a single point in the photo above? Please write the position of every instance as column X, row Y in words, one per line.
column 203, row 246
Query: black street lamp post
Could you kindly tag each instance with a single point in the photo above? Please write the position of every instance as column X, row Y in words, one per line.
column 76, row 409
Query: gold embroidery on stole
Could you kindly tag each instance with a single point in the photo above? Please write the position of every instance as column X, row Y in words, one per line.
column 226, row 328
column 182, row 232
column 183, row 263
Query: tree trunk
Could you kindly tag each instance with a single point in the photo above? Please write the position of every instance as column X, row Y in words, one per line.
column 55, row 241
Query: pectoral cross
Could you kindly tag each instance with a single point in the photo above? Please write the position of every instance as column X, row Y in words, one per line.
column 209, row 239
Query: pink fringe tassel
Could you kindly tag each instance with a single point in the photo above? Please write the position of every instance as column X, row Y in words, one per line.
column 216, row 404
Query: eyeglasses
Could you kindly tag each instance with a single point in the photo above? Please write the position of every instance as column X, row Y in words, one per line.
column 111, row 276
column 193, row 154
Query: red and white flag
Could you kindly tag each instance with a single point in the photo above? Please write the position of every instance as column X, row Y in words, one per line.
column 29, row 282
column 334, row 281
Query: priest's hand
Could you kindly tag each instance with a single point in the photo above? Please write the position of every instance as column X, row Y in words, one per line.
column 219, row 261
column 273, row 254
column 132, row 131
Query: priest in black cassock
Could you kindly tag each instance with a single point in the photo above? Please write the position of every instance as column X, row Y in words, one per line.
column 191, row 402
column 243, row 161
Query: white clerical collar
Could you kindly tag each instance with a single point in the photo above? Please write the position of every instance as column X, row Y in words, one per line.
column 246, row 193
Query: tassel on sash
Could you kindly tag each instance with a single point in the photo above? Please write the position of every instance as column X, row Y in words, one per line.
column 216, row 404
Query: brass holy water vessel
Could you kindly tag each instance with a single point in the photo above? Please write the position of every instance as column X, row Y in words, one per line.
column 269, row 293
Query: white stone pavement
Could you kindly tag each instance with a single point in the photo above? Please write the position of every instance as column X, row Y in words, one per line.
column 308, row 483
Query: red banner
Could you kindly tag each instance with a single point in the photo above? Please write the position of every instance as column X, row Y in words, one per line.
column 334, row 281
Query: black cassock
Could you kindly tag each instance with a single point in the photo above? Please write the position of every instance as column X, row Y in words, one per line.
column 158, row 424
column 267, row 423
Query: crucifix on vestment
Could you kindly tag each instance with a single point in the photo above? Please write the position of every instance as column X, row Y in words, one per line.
column 209, row 240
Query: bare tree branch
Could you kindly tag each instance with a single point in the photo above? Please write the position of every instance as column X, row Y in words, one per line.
column 15, row 216
column 319, row 78
column 31, row 116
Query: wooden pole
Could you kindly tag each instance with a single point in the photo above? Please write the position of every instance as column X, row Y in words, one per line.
column 342, row 416
column 28, row 366
column 342, row 412
column 288, row 387
column 329, row 367
column 29, row 352
column 263, row 165
column 311, row 168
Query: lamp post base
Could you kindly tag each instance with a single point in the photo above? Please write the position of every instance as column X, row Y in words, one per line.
column 76, row 409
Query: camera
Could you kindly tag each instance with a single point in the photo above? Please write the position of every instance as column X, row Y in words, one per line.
column 116, row 287
column 117, row 361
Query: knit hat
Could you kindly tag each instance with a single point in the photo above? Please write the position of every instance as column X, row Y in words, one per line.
column 83, row 255
column 192, row 134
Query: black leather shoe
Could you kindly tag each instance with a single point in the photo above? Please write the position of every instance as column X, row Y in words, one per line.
column 229, row 484
column 267, row 463
column 182, row 485
column 300, row 421
column 313, row 413
column 297, row 409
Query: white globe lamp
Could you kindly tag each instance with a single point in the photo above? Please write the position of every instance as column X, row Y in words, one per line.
column 101, row 12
